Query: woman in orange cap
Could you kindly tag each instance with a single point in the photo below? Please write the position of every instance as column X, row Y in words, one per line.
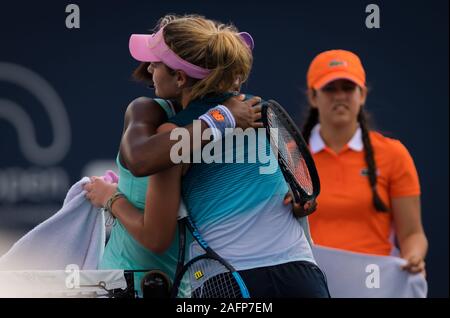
column 370, row 187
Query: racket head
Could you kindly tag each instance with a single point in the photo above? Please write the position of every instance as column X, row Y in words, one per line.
column 209, row 277
column 207, row 274
column 294, row 158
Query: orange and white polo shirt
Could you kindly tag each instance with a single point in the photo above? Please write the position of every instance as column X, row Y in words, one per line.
column 345, row 216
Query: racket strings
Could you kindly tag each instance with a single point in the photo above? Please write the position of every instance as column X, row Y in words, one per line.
column 211, row 279
column 289, row 153
column 219, row 286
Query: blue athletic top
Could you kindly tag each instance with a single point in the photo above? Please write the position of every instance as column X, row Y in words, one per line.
column 239, row 211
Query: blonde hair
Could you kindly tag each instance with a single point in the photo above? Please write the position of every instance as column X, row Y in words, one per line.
column 211, row 45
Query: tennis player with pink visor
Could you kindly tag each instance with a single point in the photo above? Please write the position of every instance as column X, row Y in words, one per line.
column 154, row 49
column 143, row 152
column 238, row 211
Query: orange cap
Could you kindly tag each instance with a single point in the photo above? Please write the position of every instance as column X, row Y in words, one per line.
column 335, row 64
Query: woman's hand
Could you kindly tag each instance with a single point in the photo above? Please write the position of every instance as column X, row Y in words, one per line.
column 246, row 113
column 99, row 191
column 415, row 264
column 298, row 209
column 409, row 232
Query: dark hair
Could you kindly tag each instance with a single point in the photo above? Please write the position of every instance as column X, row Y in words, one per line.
column 141, row 74
column 312, row 119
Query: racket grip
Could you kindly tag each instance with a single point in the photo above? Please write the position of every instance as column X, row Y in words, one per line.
column 298, row 200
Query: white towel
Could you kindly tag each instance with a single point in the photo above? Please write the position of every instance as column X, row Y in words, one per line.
column 73, row 235
column 357, row 275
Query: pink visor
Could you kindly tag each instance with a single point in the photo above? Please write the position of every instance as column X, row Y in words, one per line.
column 153, row 48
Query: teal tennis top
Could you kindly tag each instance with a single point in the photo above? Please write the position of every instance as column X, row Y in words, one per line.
column 122, row 250
column 239, row 210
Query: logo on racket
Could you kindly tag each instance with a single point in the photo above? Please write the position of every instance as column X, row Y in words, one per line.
column 198, row 275
column 217, row 115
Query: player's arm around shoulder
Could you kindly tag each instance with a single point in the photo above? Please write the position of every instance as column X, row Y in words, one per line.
column 142, row 118
column 162, row 204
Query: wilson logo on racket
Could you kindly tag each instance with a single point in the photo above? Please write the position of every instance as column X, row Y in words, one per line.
column 217, row 115
column 198, row 275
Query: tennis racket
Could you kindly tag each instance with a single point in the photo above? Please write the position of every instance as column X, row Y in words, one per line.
column 207, row 274
column 294, row 158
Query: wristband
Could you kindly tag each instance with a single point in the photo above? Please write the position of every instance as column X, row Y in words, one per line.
column 219, row 119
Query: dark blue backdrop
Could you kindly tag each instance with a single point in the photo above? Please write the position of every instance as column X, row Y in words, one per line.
column 406, row 62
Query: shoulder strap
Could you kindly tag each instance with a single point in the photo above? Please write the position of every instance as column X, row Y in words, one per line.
column 167, row 106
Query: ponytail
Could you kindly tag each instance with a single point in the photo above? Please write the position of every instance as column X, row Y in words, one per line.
column 369, row 156
column 211, row 45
